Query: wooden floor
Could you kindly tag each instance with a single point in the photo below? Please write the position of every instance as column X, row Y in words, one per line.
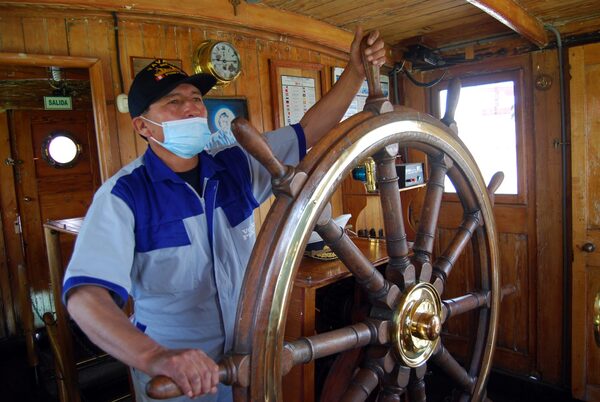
column 18, row 384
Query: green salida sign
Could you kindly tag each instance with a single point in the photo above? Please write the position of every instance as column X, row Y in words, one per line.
column 58, row 103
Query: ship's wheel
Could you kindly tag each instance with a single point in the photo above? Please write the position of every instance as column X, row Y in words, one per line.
column 401, row 336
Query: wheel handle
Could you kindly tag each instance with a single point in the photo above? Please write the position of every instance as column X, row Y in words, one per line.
column 451, row 104
column 285, row 179
column 376, row 102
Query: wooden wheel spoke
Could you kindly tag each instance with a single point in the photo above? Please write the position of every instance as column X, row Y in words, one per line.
column 463, row 304
column 379, row 362
column 416, row 385
column 444, row 263
column 394, row 384
column 470, row 302
column 425, row 236
column 400, row 270
column 307, row 349
column 379, row 289
column 444, row 360
column 363, row 383
column 390, row 394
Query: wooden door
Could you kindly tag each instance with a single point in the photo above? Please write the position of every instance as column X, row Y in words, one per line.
column 46, row 191
column 514, row 211
column 585, row 147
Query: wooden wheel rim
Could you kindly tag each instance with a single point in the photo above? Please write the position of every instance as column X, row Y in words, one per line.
column 261, row 325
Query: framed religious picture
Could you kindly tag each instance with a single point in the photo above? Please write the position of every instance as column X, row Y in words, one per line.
column 221, row 111
column 295, row 87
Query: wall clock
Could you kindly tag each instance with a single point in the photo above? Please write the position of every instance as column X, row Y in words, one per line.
column 218, row 58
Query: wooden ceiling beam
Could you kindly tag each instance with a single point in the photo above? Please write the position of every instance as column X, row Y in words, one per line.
column 516, row 18
column 256, row 16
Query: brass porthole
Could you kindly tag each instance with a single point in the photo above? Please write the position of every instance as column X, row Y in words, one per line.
column 60, row 149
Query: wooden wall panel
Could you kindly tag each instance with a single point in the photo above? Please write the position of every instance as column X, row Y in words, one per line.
column 130, row 44
column 90, row 33
column 37, row 41
column 9, row 309
column 460, row 282
column 549, row 279
column 11, row 34
column 95, row 37
column 514, row 341
column 514, row 337
column 140, row 36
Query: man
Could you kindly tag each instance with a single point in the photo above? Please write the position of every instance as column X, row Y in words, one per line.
column 223, row 136
column 174, row 229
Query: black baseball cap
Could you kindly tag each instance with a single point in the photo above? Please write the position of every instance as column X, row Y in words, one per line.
column 158, row 79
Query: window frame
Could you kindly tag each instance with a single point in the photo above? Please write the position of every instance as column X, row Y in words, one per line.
column 516, row 75
column 49, row 159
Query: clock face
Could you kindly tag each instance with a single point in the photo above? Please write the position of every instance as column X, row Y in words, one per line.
column 225, row 60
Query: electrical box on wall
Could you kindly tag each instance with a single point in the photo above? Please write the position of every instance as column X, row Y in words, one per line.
column 409, row 174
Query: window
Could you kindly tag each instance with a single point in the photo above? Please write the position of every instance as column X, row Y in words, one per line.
column 60, row 149
column 487, row 121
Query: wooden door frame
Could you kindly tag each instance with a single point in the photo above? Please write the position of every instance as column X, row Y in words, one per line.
column 103, row 142
column 94, row 66
column 578, row 366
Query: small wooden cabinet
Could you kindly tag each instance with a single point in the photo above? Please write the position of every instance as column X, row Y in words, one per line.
column 312, row 277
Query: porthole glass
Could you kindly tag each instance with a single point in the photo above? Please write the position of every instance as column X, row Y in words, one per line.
column 60, row 149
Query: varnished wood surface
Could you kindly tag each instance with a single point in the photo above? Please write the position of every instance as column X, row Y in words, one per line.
column 87, row 33
column 40, row 36
column 585, row 137
column 436, row 21
column 311, row 273
column 70, row 226
column 39, row 200
column 549, row 218
column 67, row 382
column 529, row 224
column 316, row 273
column 440, row 21
column 516, row 18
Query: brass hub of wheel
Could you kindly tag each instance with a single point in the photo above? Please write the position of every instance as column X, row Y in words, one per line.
column 417, row 324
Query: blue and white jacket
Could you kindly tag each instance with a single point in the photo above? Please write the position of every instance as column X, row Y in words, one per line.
column 179, row 254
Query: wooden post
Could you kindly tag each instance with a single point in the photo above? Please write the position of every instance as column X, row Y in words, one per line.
column 65, row 340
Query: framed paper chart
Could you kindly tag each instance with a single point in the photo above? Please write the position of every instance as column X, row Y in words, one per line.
column 358, row 102
column 221, row 111
column 295, row 87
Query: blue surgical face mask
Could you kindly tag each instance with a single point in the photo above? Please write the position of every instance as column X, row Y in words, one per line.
column 186, row 137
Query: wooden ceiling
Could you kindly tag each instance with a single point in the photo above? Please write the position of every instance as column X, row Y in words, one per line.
column 446, row 23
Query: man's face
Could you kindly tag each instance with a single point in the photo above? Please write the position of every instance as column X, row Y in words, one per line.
column 183, row 102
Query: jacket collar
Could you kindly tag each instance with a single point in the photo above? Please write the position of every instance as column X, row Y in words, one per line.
column 159, row 171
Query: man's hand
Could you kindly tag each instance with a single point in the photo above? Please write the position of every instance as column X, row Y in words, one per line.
column 328, row 111
column 375, row 51
column 192, row 370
